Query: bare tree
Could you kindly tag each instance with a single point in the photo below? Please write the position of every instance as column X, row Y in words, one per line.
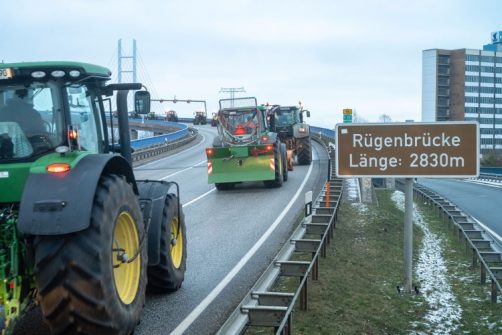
column 356, row 118
column 385, row 118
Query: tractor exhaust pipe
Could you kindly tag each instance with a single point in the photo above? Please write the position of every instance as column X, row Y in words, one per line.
column 123, row 121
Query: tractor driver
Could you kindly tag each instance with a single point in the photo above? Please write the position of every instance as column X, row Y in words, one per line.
column 18, row 109
column 249, row 125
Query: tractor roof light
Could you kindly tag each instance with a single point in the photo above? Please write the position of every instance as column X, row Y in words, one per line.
column 38, row 74
column 58, row 167
column 58, row 73
column 302, row 130
column 264, row 138
column 74, row 73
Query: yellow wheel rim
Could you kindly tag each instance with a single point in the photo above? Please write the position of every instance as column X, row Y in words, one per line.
column 126, row 275
column 176, row 249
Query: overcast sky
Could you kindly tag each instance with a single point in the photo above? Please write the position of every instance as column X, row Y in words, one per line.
column 332, row 54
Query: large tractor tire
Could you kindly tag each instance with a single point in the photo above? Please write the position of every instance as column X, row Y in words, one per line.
column 94, row 281
column 304, row 151
column 284, row 153
column 278, row 162
column 168, row 275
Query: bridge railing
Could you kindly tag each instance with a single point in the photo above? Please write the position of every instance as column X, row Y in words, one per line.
column 160, row 139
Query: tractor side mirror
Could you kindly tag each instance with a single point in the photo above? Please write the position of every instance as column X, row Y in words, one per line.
column 142, row 102
column 308, row 113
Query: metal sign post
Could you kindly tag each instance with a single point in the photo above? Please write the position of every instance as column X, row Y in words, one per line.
column 408, row 234
column 408, row 150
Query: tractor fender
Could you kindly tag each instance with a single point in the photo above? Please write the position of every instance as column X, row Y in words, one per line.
column 152, row 196
column 296, row 130
column 57, row 204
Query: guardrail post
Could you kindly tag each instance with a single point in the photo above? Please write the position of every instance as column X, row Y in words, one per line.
column 474, row 258
column 304, row 295
column 483, row 275
column 287, row 330
column 315, row 268
column 494, row 292
column 324, row 246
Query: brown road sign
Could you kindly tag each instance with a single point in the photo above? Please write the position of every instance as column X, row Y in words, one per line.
column 441, row 149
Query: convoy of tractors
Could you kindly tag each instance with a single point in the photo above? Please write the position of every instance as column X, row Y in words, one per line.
column 82, row 238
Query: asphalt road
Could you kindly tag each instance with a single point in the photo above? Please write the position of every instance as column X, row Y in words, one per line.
column 222, row 230
column 483, row 202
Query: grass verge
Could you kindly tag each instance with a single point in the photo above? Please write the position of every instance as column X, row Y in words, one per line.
column 357, row 294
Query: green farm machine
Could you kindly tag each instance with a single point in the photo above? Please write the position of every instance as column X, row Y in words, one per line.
column 172, row 116
column 199, row 117
column 288, row 122
column 245, row 150
column 214, row 120
column 80, row 236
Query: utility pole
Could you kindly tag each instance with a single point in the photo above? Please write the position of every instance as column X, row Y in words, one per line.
column 232, row 91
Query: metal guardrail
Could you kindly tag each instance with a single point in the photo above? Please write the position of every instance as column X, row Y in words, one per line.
column 323, row 132
column 491, row 170
column 160, row 139
column 486, row 249
column 264, row 307
column 158, row 149
column 491, row 177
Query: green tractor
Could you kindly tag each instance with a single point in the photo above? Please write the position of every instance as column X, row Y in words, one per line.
column 244, row 149
column 214, row 120
column 288, row 123
column 172, row 116
column 199, row 118
column 79, row 234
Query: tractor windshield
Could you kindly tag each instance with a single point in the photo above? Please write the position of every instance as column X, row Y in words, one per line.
column 30, row 119
column 241, row 122
column 287, row 116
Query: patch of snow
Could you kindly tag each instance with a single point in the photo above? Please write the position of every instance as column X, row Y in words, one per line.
column 361, row 207
column 352, row 189
column 444, row 314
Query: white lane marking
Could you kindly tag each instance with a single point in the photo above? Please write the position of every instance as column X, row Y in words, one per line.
column 183, row 326
column 199, row 197
column 177, row 154
column 180, row 171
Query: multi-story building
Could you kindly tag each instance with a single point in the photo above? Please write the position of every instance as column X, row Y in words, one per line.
column 465, row 84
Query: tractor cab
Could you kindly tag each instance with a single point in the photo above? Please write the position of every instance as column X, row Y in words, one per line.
column 287, row 116
column 47, row 107
column 199, row 117
column 172, row 116
column 240, row 120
